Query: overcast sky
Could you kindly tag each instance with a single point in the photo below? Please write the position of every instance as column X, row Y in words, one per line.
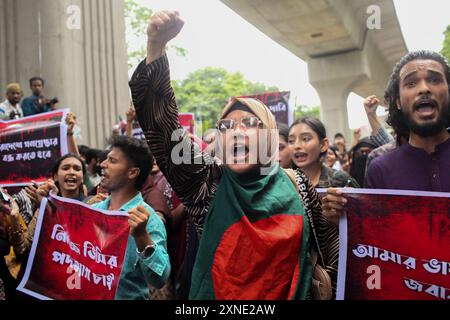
column 214, row 35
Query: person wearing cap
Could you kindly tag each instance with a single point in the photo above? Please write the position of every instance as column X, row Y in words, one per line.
column 10, row 108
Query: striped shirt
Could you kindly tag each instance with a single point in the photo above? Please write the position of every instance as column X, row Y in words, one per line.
column 195, row 183
column 381, row 137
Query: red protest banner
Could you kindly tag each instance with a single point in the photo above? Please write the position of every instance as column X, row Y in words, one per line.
column 56, row 115
column 29, row 147
column 394, row 245
column 278, row 103
column 77, row 252
column 187, row 121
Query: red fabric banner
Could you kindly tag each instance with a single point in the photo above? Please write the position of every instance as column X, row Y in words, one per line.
column 278, row 103
column 77, row 252
column 394, row 245
column 29, row 147
column 187, row 121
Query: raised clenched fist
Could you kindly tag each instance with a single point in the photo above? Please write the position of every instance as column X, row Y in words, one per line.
column 138, row 218
column 163, row 27
column 131, row 115
column 371, row 104
column 71, row 121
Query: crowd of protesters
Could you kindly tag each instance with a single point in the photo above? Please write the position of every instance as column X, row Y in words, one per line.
column 180, row 214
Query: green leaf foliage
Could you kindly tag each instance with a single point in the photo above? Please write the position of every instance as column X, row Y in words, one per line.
column 446, row 46
column 136, row 21
column 137, row 17
column 206, row 91
column 302, row 111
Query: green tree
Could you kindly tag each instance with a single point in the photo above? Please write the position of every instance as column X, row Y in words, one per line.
column 137, row 17
column 305, row 111
column 136, row 20
column 446, row 46
column 206, row 91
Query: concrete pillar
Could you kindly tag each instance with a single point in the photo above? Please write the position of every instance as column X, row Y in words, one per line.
column 335, row 76
column 333, row 109
column 85, row 68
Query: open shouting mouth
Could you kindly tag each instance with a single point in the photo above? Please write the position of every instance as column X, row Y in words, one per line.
column 240, row 151
column 300, row 156
column 425, row 108
column 71, row 182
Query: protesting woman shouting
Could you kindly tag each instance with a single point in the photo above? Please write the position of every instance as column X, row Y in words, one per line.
column 68, row 174
column 309, row 143
column 255, row 235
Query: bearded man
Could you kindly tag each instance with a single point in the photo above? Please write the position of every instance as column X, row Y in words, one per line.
column 418, row 97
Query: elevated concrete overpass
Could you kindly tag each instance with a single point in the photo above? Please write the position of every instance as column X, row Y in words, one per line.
column 332, row 36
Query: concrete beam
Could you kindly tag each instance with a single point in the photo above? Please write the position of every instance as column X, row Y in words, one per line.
column 363, row 72
column 343, row 55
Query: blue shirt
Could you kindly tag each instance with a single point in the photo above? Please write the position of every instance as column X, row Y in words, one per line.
column 137, row 273
column 30, row 106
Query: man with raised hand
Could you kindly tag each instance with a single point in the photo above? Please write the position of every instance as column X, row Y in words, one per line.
column 418, row 99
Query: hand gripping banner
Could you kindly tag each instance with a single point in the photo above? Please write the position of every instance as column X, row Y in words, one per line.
column 77, row 252
column 394, row 245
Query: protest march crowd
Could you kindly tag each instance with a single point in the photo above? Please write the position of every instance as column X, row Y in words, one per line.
column 238, row 215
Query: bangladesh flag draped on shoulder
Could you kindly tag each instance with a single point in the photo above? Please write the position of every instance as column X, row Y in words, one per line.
column 255, row 243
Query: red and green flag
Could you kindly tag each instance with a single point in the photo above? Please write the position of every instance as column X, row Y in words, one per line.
column 255, row 243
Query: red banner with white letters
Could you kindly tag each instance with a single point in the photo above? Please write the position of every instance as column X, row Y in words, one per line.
column 394, row 245
column 187, row 121
column 30, row 146
column 278, row 103
column 77, row 252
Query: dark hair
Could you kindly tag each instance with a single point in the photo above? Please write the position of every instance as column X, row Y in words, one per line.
column 316, row 125
column 138, row 153
column 83, row 150
column 339, row 135
column 396, row 118
column 100, row 158
column 92, row 154
column 335, row 151
column 37, row 79
column 359, row 159
column 58, row 163
column 283, row 130
column 103, row 155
